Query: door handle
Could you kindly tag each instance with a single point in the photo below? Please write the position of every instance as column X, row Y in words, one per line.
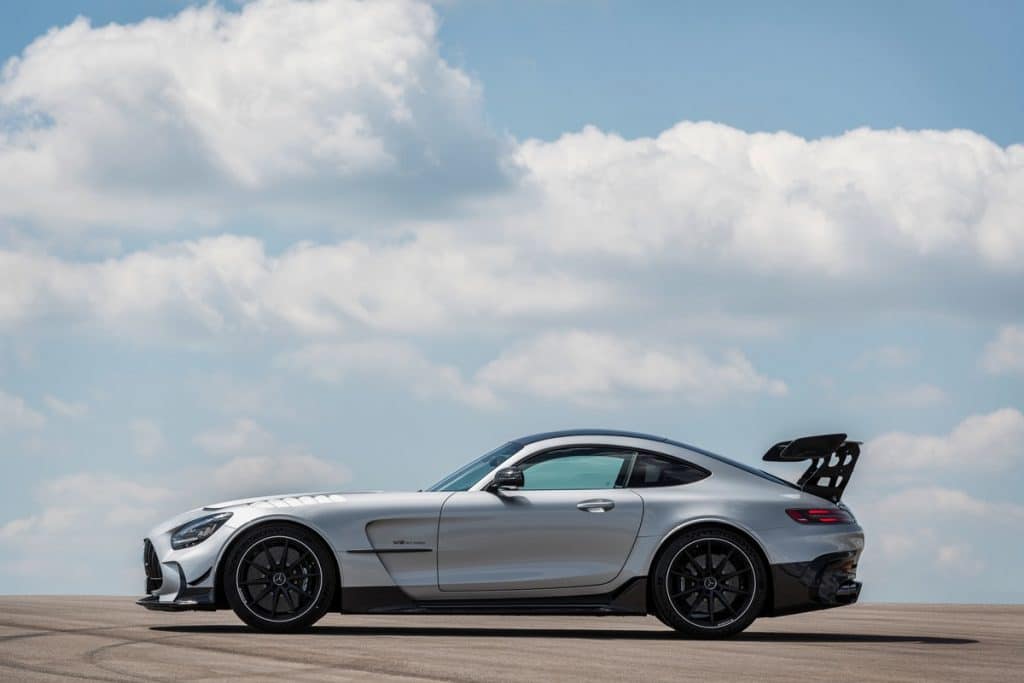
column 601, row 505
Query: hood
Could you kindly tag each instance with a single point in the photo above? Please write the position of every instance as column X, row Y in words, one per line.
column 284, row 500
column 280, row 500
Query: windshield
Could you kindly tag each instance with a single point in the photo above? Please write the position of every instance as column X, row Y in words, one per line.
column 467, row 475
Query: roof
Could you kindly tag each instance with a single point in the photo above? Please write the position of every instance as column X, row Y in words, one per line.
column 543, row 436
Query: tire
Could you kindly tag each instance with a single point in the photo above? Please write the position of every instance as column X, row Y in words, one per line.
column 280, row 578
column 715, row 601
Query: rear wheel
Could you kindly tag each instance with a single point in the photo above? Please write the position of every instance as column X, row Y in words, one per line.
column 709, row 583
column 280, row 578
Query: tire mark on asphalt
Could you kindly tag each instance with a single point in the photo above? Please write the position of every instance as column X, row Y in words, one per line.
column 318, row 663
column 56, row 673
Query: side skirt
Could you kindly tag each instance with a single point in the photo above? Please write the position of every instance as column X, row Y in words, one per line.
column 628, row 600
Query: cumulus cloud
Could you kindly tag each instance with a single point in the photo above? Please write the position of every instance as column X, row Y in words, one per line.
column 1005, row 354
column 590, row 367
column 69, row 409
column 279, row 103
column 72, row 503
column 993, row 441
column 259, row 463
column 241, row 436
column 106, row 515
column 916, row 396
column 707, row 194
column 16, row 414
column 246, row 476
column 226, row 284
column 402, row 362
column 931, row 501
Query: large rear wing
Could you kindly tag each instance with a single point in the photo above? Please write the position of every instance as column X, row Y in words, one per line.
column 832, row 461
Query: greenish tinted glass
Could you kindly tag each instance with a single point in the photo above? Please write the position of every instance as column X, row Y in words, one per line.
column 591, row 471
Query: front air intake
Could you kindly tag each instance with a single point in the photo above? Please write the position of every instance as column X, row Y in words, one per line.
column 154, row 577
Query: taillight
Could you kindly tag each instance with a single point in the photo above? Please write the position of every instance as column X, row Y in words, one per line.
column 820, row 516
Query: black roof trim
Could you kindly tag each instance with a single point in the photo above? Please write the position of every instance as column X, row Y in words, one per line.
column 544, row 436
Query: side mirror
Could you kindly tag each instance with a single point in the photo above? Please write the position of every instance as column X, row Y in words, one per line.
column 508, row 479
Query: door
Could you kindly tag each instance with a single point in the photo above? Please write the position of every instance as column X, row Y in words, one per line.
column 571, row 524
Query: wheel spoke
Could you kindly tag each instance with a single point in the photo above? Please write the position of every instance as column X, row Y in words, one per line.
column 684, row 592
column 725, row 602
column 735, row 573
column 707, row 559
column 252, row 563
column 302, row 558
column 694, row 606
column 288, row 598
column 284, row 555
column 255, row 582
column 693, row 560
column 725, row 558
column 733, row 590
column 711, row 610
column 681, row 571
column 305, row 594
column 262, row 595
column 270, row 556
column 273, row 602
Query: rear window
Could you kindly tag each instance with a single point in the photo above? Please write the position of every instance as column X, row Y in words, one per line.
column 651, row 469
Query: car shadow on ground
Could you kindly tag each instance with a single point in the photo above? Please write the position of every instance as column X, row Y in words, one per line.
column 585, row 634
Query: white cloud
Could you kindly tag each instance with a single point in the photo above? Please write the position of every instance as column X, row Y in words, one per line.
column 260, row 464
column 399, row 361
column 1005, row 354
column 279, row 103
column 709, row 195
column 241, row 436
column 217, row 286
column 69, row 409
column 960, row 558
column 85, row 507
column 265, row 474
column 588, row 367
column 930, row 502
column 103, row 515
column 584, row 367
column 147, row 437
column 16, row 414
column 993, row 441
column 917, row 396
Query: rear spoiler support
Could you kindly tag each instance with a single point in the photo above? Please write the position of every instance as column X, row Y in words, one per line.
column 832, row 461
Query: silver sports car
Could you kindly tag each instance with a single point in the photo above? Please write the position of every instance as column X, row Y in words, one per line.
column 584, row 522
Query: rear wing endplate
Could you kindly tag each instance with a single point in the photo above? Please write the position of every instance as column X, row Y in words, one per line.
column 832, row 461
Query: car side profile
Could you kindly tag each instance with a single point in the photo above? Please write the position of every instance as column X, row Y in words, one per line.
column 588, row 522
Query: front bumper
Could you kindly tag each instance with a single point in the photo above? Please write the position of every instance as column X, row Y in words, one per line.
column 188, row 600
column 183, row 583
column 827, row 581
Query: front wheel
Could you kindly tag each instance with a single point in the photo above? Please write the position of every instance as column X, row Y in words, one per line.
column 280, row 578
column 709, row 583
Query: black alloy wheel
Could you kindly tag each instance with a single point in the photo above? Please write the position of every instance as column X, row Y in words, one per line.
column 280, row 578
column 709, row 583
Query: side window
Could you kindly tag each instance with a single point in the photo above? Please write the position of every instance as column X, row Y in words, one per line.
column 577, row 468
column 660, row 470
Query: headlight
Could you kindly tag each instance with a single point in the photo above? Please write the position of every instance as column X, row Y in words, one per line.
column 198, row 530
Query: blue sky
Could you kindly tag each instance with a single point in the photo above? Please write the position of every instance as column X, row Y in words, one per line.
column 288, row 245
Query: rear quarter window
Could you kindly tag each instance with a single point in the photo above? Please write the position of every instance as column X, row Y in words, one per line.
column 651, row 470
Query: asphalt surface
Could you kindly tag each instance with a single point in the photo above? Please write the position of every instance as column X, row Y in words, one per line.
column 94, row 638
